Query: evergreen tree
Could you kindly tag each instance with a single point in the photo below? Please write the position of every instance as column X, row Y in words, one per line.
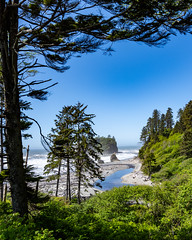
column 186, row 145
column 169, row 119
column 179, row 114
column 74, row 143
column 87, row 149
column 185, row 126
column 150, row 126
column 179, row 126
column 155, row 121
column 144, row 135
column 186, row 116
column 162, row 123
column 62, row 152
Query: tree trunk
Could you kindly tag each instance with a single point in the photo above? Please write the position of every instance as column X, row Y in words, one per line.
column 59, row 174
column 8, row 47
column 68, row 181
column 5, row 194
column 27, row 157
column 79, row 186
column 1, row 132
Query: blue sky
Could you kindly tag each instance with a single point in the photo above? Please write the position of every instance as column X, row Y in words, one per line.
column 122, row 90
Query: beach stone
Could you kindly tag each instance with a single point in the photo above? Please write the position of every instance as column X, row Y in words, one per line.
column 100, row 161
column 114, row 158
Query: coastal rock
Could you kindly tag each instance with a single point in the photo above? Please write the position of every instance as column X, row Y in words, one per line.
column 100, row 161
column 114, row 158
column 109, row 144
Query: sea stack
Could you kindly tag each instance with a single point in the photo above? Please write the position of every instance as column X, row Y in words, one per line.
column 114, row 158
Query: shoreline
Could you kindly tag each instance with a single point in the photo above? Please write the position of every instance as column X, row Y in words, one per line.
column 135, row 178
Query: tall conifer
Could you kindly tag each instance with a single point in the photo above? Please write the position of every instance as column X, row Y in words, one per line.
column 162, row 123
column 169, row 119
column 74, row 144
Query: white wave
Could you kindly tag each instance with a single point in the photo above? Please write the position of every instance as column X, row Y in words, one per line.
column 38, row 160
column 106, row 158
column 37, row 156
column 122, row 154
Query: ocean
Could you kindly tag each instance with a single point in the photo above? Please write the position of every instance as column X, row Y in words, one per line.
column 38, row 157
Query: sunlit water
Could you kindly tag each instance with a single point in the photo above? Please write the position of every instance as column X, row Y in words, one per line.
column 114, row 180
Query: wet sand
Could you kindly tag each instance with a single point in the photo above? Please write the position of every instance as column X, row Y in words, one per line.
column 137, row 177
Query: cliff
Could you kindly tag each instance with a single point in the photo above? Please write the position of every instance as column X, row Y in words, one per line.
column 109, row 144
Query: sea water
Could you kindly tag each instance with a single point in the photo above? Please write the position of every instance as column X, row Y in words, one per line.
column 38, row 157
column 114, row 180
column 124, row 153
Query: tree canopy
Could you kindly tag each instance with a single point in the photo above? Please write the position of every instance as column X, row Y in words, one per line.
column 109, row 144
column 74, row 145
column 61, row 29
column 179, row 134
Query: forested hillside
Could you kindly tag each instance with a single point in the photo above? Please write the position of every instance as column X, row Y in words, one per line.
column 161, row 211
column 167, row 150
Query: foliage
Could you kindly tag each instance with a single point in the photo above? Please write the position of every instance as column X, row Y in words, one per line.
column 170, row 145
column 159, row 212
column 169, row 118
column 157, row 125
column 74, row 145
column 172, row 153
column 59, row 30
column 149, row 162
column 139, row 212
column 186, row 145
column 186, row 115
column 109, row 144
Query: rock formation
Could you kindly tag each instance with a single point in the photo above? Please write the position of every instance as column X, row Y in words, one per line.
column 114, row 158
column 100, row 161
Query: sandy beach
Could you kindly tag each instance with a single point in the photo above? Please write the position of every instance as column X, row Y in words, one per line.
column 136, row 178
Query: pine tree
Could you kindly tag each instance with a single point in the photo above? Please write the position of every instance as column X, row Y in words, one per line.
column 179, row 126
column 169, row 119
column 150, row 126
column 144, row 135
column 186, row 144
column 185, row 126
column 74, row 144
column 88, row 149
column 162, row 124
column 62, row 150
column 186, row 116
column 155, row 121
